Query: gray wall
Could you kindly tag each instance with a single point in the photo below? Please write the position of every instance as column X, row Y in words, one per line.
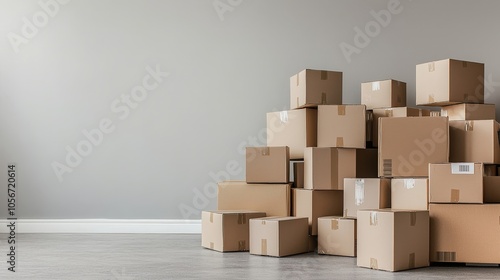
column 225, row 72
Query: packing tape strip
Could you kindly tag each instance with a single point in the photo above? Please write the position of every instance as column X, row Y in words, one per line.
column 263, row 246
column 431, row 66
column 359, row 191
column 431, row 98
column 411, row 260
column 297, row 79
column 284, row 116
column 464, row 64
column 409, row 183
column 242, row 219
column 340, row 142
column 413, row 218
column 334, row 224
column 324, row 75
column 375, row 86
column 373, row 263
column 455, row 195
column 323, row 98
column 211, row 217
column 373, row 218
column 341, row 110
column 211, row 245
column 265, row 151
column 389, row 113
column 242, row 245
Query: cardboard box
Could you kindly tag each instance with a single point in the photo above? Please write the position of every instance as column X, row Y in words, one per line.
column 326, row 168
column 298, row 174
column 267, row 164
column 408, row 145
column 372, row 193
column 278, row 236
column 337, row 236
column 310, row 88
column 410, row 193
column 313, row 204
column 295, row 129
column 226, row 231
column 456, row 183
column 465, row 233
column 383, row 94
column 467, row 112
column 448, row 82
column 367, row 163
column 394, row 112
column 273, row 199
column 474, row 141
column 342, row 126
column 393, row 240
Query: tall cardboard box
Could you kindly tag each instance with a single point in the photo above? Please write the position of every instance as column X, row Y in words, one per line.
column 372, row 193
column 272, row 199
column 467, row 112
column 227, row 231
column 408, row 145
column 366, row 163
column 267, row 164
column 410, row 193
column 337, row 236
column 456, row 183
column 298, row 174
column 449, row 81
column 326, row 168
column 383, row 94
column 465, row 233
column 393, row 240
column 278, row 236
column 295, row 129
column 474, row 141
column 342, row 126
column 310, row 88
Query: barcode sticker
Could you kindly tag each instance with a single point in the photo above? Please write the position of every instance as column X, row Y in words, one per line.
column 462, row 168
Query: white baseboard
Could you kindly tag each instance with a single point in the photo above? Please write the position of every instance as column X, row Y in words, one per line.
column 102, row 226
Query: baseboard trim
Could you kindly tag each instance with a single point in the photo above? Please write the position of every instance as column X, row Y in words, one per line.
column 103, row 226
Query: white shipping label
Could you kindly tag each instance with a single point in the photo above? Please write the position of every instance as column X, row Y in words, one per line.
column 462, row 168
column 359, row 191
column 409, row 183
column 284, row 116
column 375, row 86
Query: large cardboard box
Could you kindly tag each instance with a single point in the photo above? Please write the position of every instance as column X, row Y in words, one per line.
column 393, row 240
column 342, row 126
column 410, row 193
column 467, row 112
column 474, row 141
column 465, row 233
column 337, row 236
column 449, row 81
column 383, row 94
column 267, row 164
column 372, row 193
column 295, row 129
column 273, row 199
column 366, row 163
column 408, row 145
column 298, row 174
column 278, row 236
column 456, row 183
column 326, row 168
column 394, row 112
column 313, row 204
column 227, row 231
column 310, row 88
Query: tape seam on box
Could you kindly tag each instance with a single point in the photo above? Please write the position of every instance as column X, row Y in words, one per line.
column 323, row 98
column 265, row 151
column 324, row 75
column 211, row 217
column 284, row 117
column 375, row 86
column 455, row 195
column 431, row 67
column 341, row 110
column 334, row 224
column 211, row 245
column 263, row 246
column 373, row 263
column 241, row 219
column 409, row 183
column 359, row 191
column 242, row 245
column 373, row 218
column 413, row 218
column 411, row 260
column 340, row 142
column 469, row 126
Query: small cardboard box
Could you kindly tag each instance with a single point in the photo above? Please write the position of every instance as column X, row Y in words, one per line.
column 410, row 193
column 372, row 193
column 393, row 240
column 449, row 81
column 226, row 231
column 342, row 126
column 298, row 174
column 474, row 141
column 465, row 233
column 337, row 236
column 467, row 112
column 383, row 94
column 278, row 236
column 326, row 168
column 407, row 145
column 267, row 164
column 314, row 204
column 272, row 199
column 310, row 88
column 456, row 183
column 295, row 129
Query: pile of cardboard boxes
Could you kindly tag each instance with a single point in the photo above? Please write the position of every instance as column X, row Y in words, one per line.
column 394, row 186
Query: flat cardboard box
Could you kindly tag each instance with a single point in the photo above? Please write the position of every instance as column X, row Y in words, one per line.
column 467, row 112
column 383, row 94
column 227, row 231
column 407, row 145
column 366, row 163
column 267, row 164
column 295, row 129
column 474, row 141
column 342, row 126
column 371, row 193
column 310, row 88
column 456, row 183
column 395, row 113
column 313, row 204
column 326, row 168
column 273, row 199
column 449, row 81
column 337, row 236
column 393, row 240
column 465, row 233
column 298, row 174
column 410, row 193
column 278, row 236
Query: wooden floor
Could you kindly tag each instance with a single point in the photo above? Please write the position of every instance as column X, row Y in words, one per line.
column 170, row 256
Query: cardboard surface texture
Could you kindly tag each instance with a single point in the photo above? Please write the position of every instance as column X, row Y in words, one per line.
column 410, row 193
column 383, row 94
column 337, row 236
column 267, row 164
column 310, row 88
column 456, row 183
column 342, row 126
column 467, row 112
column 474, row 141
column 326, row 168
column 372, row 193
